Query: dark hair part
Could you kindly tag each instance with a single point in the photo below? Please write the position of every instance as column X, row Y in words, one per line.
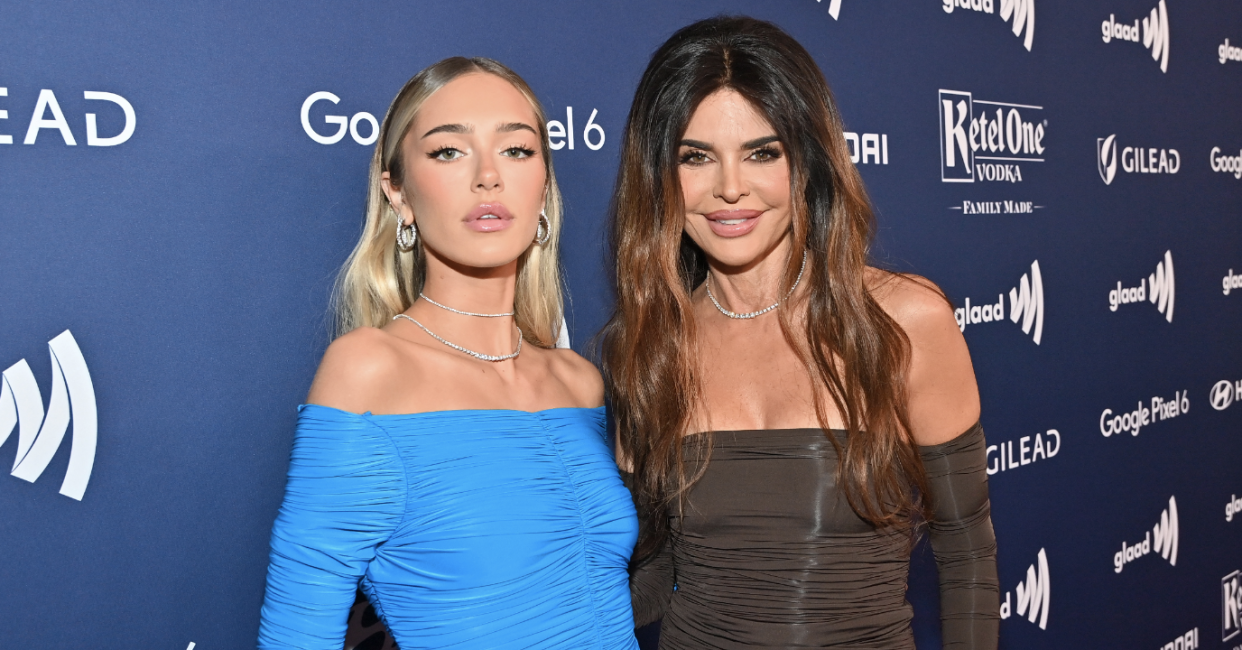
column 850, row 346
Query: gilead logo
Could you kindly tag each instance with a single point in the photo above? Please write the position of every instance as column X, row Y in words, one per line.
column 1034, row 594
column 47, row 115
column 1134, row 160
column 1163, row 534
column 1158, row 288
column 1026, row 304
column 39, row 436
column 1021, row 11
column 1007, row 456
column 1155, row 33
column 988, row 147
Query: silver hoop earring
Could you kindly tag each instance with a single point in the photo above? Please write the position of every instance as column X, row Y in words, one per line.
column 407, row 236
column 544, row 233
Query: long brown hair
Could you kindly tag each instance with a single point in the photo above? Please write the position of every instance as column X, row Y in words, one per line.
column 850, row 346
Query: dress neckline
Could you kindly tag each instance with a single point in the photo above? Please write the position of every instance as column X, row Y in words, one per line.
column 836, row 432
column 444, row 412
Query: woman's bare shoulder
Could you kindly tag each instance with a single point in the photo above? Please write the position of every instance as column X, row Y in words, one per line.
column 943, row 395
column 915, row 302
column 579, row 376
column 357, row 369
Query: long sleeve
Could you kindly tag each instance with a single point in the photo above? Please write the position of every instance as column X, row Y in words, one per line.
column 651, row 587
column 345, row 495
column 651, row 582
column 964, row 542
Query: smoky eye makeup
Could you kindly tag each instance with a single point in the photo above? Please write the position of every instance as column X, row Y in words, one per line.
column 693, row 157
column 767, row 154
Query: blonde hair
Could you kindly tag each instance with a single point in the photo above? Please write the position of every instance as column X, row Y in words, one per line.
column 380, row 281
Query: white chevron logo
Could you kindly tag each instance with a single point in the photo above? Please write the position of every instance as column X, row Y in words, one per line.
column 834, row 8
column 39, row 434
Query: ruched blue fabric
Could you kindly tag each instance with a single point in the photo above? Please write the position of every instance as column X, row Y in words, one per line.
column 466, row 529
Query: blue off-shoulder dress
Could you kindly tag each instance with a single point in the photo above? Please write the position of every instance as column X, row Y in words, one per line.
column 467, row 529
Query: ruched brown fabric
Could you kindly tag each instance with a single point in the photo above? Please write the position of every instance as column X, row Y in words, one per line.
column 767, row 553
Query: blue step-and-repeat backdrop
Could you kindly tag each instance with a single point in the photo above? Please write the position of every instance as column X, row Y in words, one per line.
column 180, row 181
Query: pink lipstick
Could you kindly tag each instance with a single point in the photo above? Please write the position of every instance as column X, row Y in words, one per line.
column 489, row 217
column 733, row 223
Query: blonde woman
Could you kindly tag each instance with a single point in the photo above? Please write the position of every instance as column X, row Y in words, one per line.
column 450, row 459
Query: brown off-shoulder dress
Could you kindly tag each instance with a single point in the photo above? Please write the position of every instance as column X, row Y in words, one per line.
column 765, row 552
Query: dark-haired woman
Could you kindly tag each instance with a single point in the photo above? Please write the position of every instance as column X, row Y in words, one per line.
column 791, row 416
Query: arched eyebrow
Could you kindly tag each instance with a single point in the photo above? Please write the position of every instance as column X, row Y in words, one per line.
column 510, row 127
column 507, row 127
column 450, row 128
column 750, row 144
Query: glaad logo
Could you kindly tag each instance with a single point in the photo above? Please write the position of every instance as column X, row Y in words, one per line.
column 1231, row 605
column 1008, row 138
column 1224, row 393
column 39, row 437
column 1229, row 52
column 1231, row 282
column 1165, row 534
column 874, row 149
column 1026, row 303
column 1003, row 457
column 47, row 104
column 1226, row 164
column 1134, row 421
column 1232, row 507
column 834, row 8
column 1187, row 641
column 1033, row 594
column 1158, row 288
column 1155, row 33
column 1021, row 11
column 1134, row 160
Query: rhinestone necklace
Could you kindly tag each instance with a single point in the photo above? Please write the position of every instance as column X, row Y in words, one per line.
column 761, row 312
column 477, row 355
column 458, row 311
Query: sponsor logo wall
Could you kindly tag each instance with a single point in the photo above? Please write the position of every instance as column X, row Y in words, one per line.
column 181, row 182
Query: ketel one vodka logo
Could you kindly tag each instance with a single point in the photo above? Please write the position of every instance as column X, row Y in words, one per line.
column 1034, row 594
column 1162, row 538
column 40, row 435
column 1020, row 12
column 1026, row 304
column 989, row 144
column 1158, row 288
column 1155, row 33
column 1230, row 605
column 1134, row 160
